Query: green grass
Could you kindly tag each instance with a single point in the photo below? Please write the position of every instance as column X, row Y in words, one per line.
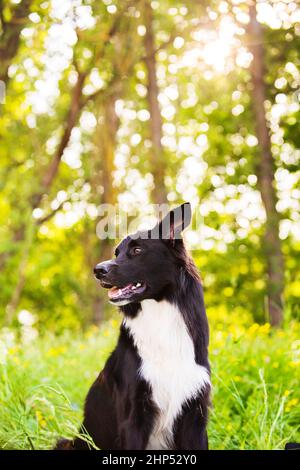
column 255, row 375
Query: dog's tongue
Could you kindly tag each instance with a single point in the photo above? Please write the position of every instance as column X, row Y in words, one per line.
column 116, row 292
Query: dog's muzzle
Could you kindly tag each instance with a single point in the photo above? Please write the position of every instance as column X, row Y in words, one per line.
column 101, row 270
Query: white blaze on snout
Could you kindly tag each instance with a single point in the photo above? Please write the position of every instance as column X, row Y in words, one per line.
column 168, row 364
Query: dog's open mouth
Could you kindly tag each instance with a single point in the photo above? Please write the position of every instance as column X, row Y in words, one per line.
column 126, row 292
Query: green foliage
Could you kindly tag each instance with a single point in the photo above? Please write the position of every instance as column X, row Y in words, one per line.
column 48, row 241
column 255, row 376
column 256, row 397
column 209, row 148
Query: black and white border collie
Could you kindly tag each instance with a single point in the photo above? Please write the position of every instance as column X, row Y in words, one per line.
column 153, row 392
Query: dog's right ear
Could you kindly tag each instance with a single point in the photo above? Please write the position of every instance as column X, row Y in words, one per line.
column 173, row 224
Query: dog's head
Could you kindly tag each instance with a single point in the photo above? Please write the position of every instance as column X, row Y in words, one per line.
column 146, row 264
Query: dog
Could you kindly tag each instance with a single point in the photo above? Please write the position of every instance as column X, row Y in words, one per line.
column 154, row 390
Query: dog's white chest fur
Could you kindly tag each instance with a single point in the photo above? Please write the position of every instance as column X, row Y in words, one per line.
column 168, row 364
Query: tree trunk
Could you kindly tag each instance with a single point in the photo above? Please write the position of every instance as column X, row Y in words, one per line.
column 10, row 35
column 266, row 176
column 107, row 133
column 12, row 305
column 102, row 181
column 159, row 192
column 105, row 143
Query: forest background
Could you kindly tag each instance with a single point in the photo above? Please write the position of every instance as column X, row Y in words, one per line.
column 133, row 103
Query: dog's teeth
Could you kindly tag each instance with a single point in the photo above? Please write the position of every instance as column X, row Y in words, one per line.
column 138, row 284
column 120, row 291
column 133, row 287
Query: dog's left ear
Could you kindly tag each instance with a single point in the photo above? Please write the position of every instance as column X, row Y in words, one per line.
column 172, row 225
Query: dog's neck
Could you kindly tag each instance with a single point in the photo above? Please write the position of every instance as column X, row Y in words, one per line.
column 158, row 328
column 161, row 335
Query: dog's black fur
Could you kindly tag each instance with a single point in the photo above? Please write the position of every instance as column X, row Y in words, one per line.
column 119, row 410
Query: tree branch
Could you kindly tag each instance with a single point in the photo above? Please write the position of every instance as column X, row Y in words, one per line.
column 187, row 31
column 159, row 192
column 51, row 214
column 10, row 37
column 76, row 106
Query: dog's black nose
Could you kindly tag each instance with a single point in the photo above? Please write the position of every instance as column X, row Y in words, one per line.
column 101, row 269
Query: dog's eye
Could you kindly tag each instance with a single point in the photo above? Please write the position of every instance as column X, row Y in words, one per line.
column 137, row 250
